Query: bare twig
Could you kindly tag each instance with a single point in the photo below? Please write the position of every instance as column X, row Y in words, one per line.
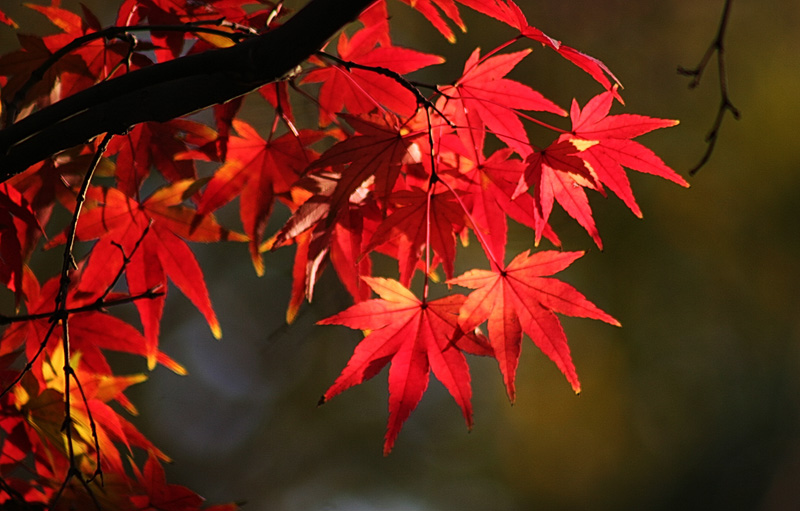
column 60, row 314
column 717, row 46
column 97, row 305
column 30, row 363
column 126, row 259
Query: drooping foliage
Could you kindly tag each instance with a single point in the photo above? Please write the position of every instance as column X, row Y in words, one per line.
column 386, row 166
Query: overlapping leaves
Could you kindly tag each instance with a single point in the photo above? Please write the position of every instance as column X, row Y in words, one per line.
column 394, row 167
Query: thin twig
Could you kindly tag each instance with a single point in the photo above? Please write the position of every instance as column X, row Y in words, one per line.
column 60, row 314
column 97, row 305
column 429, row 196
column 717, row 46
column 126, row 260
column 98, row 471
column 35, row 357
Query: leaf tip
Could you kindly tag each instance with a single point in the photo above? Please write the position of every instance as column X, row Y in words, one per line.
column 172, row 365
column 291, row 313
column 258, row 264
column 216, row 330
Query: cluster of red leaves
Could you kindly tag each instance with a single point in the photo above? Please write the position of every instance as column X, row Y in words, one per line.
column 388, row 170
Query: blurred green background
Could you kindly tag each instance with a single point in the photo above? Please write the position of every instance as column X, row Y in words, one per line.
column 692, row 404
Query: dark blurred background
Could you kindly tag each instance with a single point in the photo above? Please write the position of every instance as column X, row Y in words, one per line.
column 692, row 404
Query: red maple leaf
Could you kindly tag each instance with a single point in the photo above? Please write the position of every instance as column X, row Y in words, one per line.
column 615, row 149
column 488, row 186
column 416, row 337
column 376, row 155
column 519, row 298
column 343, row 238
column 509, row 13
column 592, row 156
column 421, row 219
column 259, row 170
column 360, row 90
column 367, row 164
column 156, row 144
column 348, row 253
column 19, row 65
column 557, row 173
column 149, row 235
column 483, row 99
column 104, row 57
column 17, row 219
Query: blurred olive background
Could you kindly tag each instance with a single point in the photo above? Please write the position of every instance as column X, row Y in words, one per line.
column 692, row 404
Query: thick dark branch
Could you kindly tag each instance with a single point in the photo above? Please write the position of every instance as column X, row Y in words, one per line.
column 174, row 88
column 112, row 33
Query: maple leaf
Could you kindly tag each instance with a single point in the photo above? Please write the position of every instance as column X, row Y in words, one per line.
column 344, row 241
column 509, row 13
column 377, row 153
column 377, row 15
column 149, row 234
column 81, row 68
column 488, row 186
column 558, row 173
column 519, row 298
column 591, row 156
column 360, row 90
column 95, row 391
column 155, row 144
column 417, row 216
column 482, row 98
column 416, row 337
column 260, row 171
column 614, row 148
column 349, row 239
column 367, row 167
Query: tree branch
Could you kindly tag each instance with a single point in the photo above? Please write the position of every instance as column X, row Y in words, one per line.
column 717, row 46
column 116, row 32
column 174, row 88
